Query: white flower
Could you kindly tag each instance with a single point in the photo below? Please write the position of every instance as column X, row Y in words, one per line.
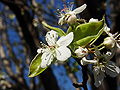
column 104, row 66
column 81, row 52
column 99, row 72
column 55, row 49
column 69, row 16
column 93, row 20
column 85, row 61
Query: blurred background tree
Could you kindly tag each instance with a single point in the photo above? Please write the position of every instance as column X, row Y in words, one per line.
column 21, row 32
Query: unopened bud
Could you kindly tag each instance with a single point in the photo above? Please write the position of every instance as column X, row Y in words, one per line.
column 108, row 29
column 81, row 52
column 109, row 42
column 93, row 20
column 72, row 19
column 40, row 50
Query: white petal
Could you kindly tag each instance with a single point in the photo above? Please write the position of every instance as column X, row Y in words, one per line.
column 93, row 20
column 51, row 38
column 47, row 58
column 99, row 79
column 63, row 53
column 98, row 76
column 111, row 69
column 80, row 9
column 118, row 46
column 107, row 29
column 65, row 40
column 61, row 20
column 84, row 61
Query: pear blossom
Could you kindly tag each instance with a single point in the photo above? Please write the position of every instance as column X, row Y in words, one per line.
column 99, row 71
column 67, row 15
column 103, row 66
column 56, row 49
column 81, row 52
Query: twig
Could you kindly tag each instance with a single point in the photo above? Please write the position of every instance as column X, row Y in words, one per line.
column 85, row 77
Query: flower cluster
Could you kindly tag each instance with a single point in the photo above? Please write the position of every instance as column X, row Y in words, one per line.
column 67, row 15
column 101, row 62
column 101, row 65
column 81, row 42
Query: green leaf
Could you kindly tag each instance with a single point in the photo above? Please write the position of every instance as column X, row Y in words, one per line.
column 88, row 29
column 85, row 41
column 85, row 33
column 88, row 39
column 97, row 36
column 72, row 28
column 35, row 68
column 58, row 30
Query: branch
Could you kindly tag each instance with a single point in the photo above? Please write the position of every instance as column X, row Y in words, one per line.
column 85, row 77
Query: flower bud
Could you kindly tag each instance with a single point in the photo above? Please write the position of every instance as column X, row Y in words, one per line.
column 107, row 29
column 93, row 20
column 81, row 52
column 72, row 19
column 40, row 50
column 109, row 42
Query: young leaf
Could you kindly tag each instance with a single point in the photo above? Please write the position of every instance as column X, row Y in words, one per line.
column 85, row 41
column 97, row 36
column 88, row 39
column 58, row 30
column 88, row 29
column 85, row 33
column 35, row 68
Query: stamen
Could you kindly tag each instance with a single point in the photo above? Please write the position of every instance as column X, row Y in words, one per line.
column 117, row 36
column 70, row 6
